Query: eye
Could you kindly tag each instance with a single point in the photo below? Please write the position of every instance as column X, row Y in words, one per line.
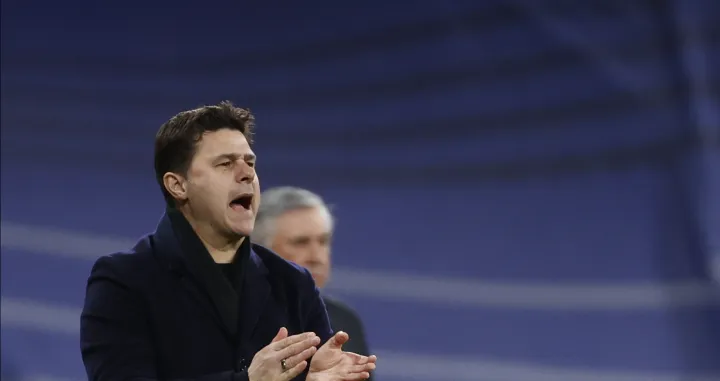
column 251, row 164
column 301, row 241
column 225, row 164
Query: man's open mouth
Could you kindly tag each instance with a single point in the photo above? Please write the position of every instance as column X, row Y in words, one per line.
column 244, row 201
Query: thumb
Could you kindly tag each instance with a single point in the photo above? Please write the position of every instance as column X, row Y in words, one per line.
column 337, row 341
column 282, row 333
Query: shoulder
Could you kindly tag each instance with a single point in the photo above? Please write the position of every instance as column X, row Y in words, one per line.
column 130, row 267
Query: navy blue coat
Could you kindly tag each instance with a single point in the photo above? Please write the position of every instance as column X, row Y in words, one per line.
column 164, row 310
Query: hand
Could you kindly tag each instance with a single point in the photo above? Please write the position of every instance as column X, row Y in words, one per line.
column 295, row 350
column 330, row 363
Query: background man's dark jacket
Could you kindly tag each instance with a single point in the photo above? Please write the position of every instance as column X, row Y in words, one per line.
column 164, row 310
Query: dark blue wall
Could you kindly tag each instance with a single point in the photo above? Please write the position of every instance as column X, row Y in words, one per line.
column 552, row 145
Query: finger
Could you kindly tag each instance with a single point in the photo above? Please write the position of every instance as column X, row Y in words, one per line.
column 370, row 359
column 337, row 341
column 282, row 333
column 300, row 357
column 360, row 359
column 357, row 376
column 292, row 350
column 278, row 345
column 356, row 358
column 361, row 368
column 294, row 371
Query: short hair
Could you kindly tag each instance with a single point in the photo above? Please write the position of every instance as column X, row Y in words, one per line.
column 176, row 140
column 275, row 202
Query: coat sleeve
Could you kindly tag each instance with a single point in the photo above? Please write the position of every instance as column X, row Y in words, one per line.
column 115, row 337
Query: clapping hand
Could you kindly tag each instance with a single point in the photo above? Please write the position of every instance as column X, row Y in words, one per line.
column 330, row 363
column 284, row 358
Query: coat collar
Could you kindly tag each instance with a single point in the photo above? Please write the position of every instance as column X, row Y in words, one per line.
column 178, row 243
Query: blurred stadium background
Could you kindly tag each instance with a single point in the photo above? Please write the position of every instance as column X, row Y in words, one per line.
column 526, row 190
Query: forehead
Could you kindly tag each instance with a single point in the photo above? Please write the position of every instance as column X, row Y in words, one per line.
column 223, row 142
column 305, row 221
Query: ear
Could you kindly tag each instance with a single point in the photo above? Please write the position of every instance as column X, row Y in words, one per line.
column 176, row 185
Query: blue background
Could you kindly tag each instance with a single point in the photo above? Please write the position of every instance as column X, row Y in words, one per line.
column 524, row 189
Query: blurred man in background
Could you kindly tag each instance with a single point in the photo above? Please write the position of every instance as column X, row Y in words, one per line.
column 297, row 224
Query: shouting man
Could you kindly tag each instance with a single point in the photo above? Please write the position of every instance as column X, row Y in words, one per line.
column 196, row 300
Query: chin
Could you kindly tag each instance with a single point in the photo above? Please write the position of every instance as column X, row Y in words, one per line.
column 240, row 225
column 243, row 230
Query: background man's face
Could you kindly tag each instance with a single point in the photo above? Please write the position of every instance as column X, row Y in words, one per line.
column 304, row 236
column 223, row 169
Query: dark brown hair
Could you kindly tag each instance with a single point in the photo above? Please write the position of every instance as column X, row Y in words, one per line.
column 177, row 139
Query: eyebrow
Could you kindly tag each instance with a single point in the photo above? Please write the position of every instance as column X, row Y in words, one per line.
column 233, row 156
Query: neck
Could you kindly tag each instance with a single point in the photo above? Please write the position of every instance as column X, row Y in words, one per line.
column 222, row 248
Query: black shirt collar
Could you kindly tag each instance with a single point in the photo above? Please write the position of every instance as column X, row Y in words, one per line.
column 198, row 262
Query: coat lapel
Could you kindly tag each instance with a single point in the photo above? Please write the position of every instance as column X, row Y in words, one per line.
column 176, row 240
column 255, row 295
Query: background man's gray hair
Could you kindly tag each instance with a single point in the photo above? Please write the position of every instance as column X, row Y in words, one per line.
column 275, row 202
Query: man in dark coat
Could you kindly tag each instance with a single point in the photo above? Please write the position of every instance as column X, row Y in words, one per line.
column 297, row 224
column 196, row 300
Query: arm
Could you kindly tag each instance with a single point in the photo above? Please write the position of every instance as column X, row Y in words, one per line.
column 115, row 337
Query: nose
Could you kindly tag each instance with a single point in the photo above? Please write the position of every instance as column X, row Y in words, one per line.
column 319, row 254
column 245, row 173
